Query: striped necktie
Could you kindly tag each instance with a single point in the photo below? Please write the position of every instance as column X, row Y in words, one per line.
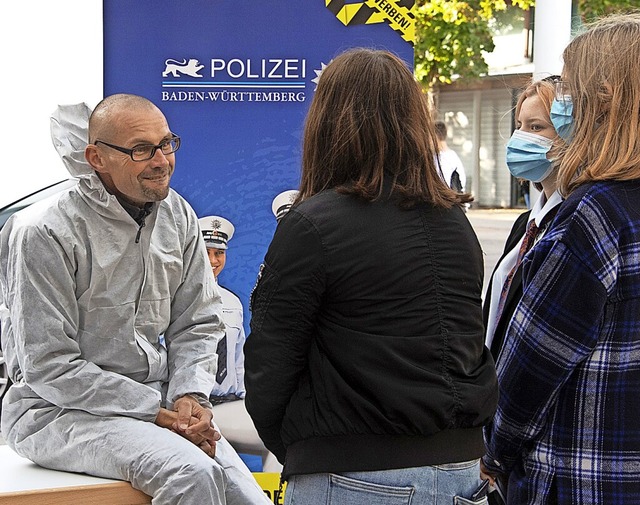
column 527, row 243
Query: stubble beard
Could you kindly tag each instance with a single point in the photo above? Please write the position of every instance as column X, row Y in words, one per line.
column 152, row 192
column 155, row 194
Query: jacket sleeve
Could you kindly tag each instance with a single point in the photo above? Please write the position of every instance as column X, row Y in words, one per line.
column 41, row 328
column 284, row 306
column 196, row 322
column 554, row 328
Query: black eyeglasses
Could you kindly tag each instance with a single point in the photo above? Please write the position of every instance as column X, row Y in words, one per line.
column 552, row 79
column 144, row 152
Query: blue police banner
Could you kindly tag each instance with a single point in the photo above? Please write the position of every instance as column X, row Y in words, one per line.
column 235, row 79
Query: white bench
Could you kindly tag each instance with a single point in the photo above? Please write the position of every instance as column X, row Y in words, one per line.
column 235, row 422
column 25, row 483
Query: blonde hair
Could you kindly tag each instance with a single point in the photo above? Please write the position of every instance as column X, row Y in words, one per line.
column 543, row 89
column 369, row 122
column 602, row 68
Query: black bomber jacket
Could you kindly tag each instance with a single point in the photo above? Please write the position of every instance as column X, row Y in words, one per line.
column 366, row 348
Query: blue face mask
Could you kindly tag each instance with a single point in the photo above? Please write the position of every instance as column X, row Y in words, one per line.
column 562, row 117
column 527, row 156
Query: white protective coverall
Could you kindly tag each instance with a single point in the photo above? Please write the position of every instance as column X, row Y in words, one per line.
column 100, row 330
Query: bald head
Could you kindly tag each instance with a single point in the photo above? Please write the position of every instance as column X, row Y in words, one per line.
column 104, row 118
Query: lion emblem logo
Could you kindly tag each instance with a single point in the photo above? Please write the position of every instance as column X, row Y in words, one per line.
column 184, row 67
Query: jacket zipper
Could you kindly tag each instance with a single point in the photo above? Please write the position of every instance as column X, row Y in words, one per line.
column 142, row 224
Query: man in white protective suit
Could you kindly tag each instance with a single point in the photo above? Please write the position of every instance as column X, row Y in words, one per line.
column 111, row 318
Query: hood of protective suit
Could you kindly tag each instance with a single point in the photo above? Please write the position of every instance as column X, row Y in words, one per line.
column 69, row 133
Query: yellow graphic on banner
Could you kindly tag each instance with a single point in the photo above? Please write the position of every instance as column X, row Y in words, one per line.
column 270, row 484
column 398, row 14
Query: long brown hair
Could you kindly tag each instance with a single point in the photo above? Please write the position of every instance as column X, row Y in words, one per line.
column 369, row 121
column 602, row 69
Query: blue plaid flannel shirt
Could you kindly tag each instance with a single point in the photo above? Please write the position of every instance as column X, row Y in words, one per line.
column 568, row 418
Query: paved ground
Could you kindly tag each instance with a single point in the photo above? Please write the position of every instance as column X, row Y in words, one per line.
column 492, row 227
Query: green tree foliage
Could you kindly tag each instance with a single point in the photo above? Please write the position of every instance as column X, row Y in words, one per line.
column 451, row 36
column 592, row 9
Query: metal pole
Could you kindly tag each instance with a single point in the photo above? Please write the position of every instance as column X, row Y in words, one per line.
column 552, row 34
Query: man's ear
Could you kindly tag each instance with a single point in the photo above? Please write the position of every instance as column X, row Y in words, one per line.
column 94, row 158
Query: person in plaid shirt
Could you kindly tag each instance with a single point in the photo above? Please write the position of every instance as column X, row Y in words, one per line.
column 567, row 428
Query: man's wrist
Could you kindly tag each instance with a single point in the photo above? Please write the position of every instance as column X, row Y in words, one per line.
column 163, row 419
column 202, row 400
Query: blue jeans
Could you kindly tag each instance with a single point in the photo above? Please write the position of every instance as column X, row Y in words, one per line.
column 451, row 484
